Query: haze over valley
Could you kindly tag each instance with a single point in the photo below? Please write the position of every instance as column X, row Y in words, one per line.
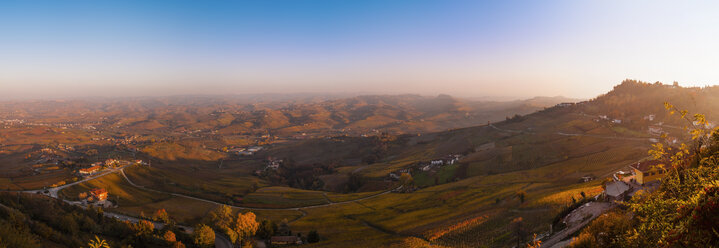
column 401, row 124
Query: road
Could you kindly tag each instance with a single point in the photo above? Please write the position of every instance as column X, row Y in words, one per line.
column 576, row 134
column 593, row 209
column 220, row 240
column 52, row 192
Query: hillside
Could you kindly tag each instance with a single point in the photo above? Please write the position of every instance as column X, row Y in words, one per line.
column 283, row 116
column 681, row 212
column 526, row 168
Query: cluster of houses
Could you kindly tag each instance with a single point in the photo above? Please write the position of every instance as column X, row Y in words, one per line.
column 246, row 151
column 396, row 174
column 447, row 160
column 273, row 164
column 427, row 165
column 565, row 104
column 645, row 174
column 606, row 118
column 47, row 155
column 98, row 166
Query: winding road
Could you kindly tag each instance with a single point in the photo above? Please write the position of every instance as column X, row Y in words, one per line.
column 220, row 240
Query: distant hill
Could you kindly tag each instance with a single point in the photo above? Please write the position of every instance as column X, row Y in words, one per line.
column 283, row 116
column 634, row 99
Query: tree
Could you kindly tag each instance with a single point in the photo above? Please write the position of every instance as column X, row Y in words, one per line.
column 521, row 195
column 221, row 219
column 605, row 231
column 162, row 216
column 169, row 237
column 266, row 229
column 246, row 225
column 517, row 226
column 203, row 236
column 98, row 243
column 284, row 228
column 143, row 228
column 221, row 216
column 313, row 237
column 406, row 180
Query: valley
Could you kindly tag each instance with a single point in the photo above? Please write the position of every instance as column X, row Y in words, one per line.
column 458, row 188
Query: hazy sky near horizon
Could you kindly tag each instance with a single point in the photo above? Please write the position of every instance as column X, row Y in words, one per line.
column 462, row 48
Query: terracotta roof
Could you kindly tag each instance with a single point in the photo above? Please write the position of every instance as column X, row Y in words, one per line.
column 97, row 167
column 98, row 191
column 647, row 165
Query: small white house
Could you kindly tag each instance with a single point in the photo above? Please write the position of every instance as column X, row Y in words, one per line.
column 254, row 148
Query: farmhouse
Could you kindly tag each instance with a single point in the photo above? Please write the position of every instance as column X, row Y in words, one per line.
column 273, row 164
column 285, row 240
column 97, row 195
column 655, row 130
column 90, row 170
column 616, row 191
column 648, row 171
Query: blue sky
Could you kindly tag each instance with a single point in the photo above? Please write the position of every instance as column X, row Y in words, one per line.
column 464, row 48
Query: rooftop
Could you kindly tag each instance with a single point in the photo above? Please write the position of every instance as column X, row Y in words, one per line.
column 616, row 188
column 98, row 191
column 647, row 165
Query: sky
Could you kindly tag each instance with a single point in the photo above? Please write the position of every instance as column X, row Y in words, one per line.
column 510, row 49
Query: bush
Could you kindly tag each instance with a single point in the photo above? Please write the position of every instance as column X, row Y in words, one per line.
column 313, row 237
